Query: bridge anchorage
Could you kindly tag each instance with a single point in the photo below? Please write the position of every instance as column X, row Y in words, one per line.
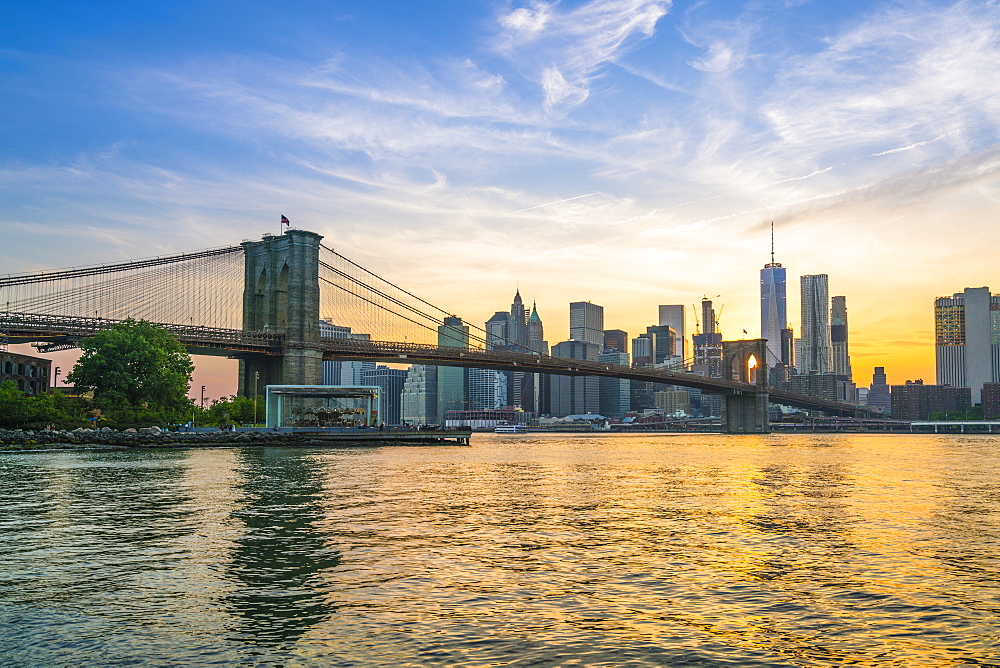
column 262, row 302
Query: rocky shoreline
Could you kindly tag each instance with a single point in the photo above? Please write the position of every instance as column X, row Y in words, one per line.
column 150, row 437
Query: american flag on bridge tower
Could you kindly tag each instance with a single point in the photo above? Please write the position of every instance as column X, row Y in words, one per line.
column 284, row 221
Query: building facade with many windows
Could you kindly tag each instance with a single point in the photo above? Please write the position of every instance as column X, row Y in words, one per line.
column 30, row 374
column 967, row 340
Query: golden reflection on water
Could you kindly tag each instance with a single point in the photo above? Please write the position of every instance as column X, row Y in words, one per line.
column 658, row 549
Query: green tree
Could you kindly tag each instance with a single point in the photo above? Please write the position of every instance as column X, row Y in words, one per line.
column 21, row 411
column 139, row 373
column 233, row 410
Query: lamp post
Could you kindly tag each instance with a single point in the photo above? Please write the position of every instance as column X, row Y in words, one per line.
column 203, row 397
column 256, row 377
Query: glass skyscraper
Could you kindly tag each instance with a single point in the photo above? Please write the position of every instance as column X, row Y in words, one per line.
column 586, row 323
column 773, row 312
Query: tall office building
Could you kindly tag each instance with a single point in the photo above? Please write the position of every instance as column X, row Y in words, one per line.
column 615, row 393
column 452, row 381
column 664, row 338
column 536, row 397
column 420, row 395
column 497, row 331
column 815, row 356
column 391, row 399
column 511, row 331
column 878, row 392
column 838, row 338
column 642, row 350
column 773, row 311
column 536, row 332
column 586, row 323
column 672, row 315
column 616, row 339
column 967, row 338
column 570, row 395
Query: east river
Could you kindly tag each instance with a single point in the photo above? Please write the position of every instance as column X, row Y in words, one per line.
column 554, row 550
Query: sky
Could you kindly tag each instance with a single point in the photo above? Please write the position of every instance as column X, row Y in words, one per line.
column 626, row 152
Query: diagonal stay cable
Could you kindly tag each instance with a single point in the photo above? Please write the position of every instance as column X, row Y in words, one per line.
column 506, row 342
column 376, row 304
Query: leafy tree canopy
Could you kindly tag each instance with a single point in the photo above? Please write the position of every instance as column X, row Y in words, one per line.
column 134, row 364
column 21, row 411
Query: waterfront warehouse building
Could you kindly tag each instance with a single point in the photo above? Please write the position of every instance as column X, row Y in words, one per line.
column 967, row 340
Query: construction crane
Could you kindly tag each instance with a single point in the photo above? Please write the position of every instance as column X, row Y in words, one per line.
column 704, row 314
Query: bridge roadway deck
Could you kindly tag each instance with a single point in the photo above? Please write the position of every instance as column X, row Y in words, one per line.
column 415, row 353
column 67, row 331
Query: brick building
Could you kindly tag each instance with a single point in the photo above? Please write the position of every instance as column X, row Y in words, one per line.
column 916, row 401
column 31, row 374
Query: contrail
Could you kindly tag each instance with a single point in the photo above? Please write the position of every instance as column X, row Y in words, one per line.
column 539, row 206
column 907, row 148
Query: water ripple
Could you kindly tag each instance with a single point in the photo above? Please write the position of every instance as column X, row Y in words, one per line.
column 529, row 551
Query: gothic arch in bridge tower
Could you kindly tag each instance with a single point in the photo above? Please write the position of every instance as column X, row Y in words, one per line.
column 745, row 409
column 259, row 302
column 281, row 295
column 281, row 299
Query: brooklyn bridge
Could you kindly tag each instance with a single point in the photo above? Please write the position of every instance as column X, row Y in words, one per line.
column 262, row 301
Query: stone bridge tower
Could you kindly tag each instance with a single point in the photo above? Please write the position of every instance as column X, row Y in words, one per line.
column 745, row 412
column 281, row 294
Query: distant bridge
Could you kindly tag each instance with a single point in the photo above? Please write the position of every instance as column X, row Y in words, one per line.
column 262, row 301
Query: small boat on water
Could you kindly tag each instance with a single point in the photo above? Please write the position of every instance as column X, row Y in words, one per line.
column 510, row 429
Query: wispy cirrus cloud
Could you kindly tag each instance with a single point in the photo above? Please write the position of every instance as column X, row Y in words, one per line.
column 564, row 50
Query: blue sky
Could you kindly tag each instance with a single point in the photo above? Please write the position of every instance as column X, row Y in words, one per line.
column 629, row 152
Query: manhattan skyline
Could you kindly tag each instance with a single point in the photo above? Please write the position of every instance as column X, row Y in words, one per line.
column 628, row 153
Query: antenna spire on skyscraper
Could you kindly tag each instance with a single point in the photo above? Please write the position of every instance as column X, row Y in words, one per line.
column 772, row 242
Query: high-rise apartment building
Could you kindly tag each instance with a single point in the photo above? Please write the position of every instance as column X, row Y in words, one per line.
column 916, row 401
column 586, row 323
column 773, row 310
column 815, row 356
column 487, row 389
column 967, row 338
column 838, row 338
column 420, row 395
column 672, row 315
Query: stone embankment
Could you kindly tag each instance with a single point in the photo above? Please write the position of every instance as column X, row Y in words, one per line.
column 150, row 437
